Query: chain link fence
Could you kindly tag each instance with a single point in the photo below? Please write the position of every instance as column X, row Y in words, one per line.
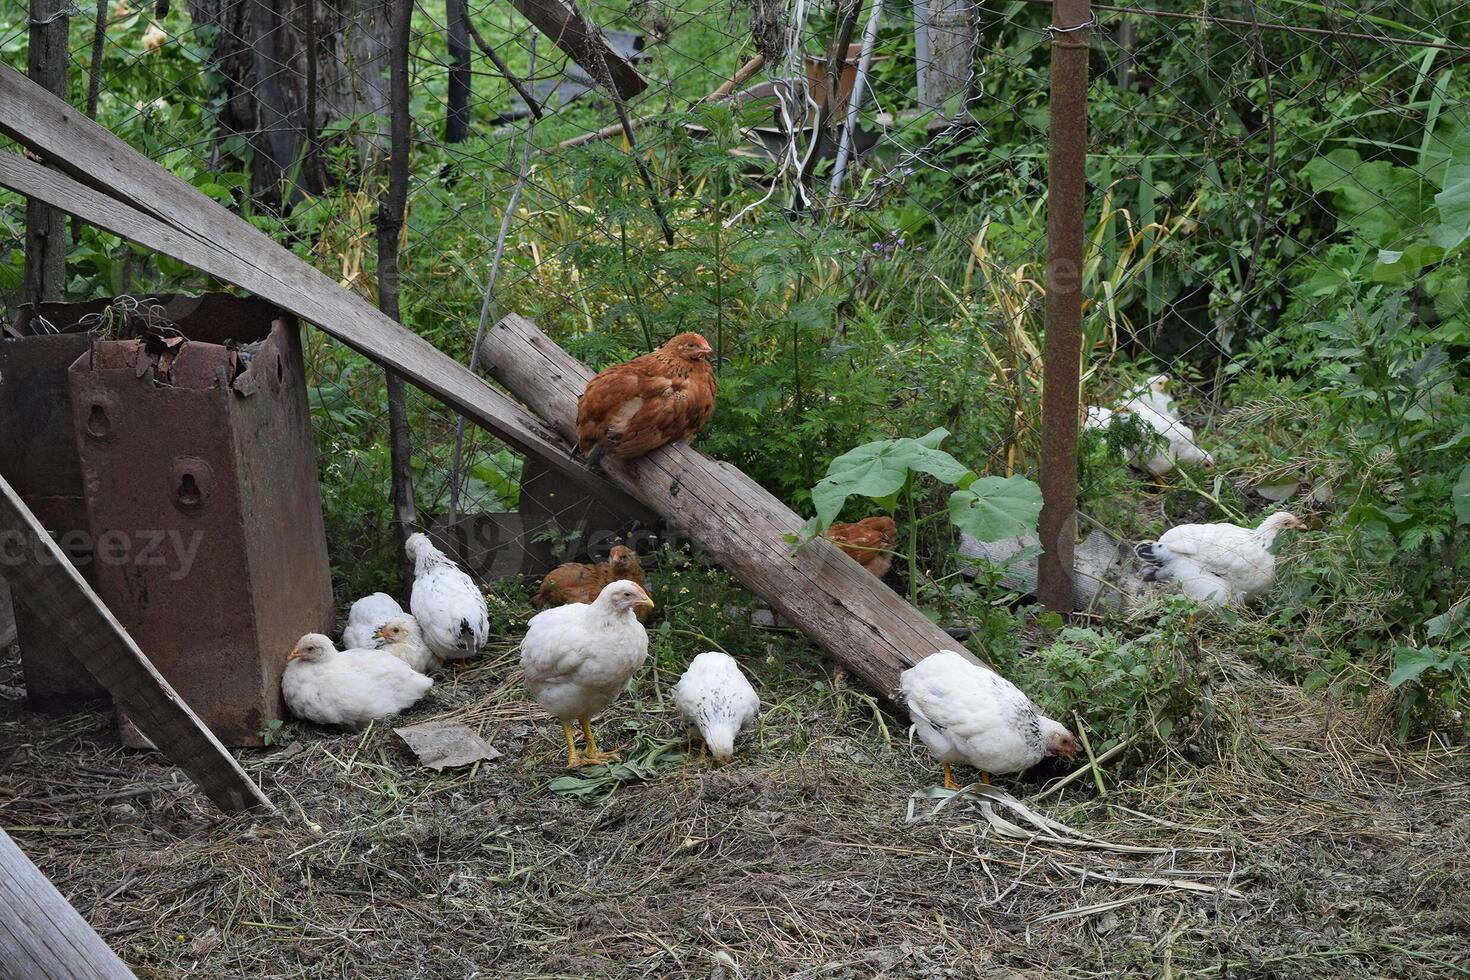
column 867, row 264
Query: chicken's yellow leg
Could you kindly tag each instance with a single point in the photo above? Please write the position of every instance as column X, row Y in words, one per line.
column 949, row 782
column 985, row 778
column 592, row 755
column 574, row 758
column 703, row 749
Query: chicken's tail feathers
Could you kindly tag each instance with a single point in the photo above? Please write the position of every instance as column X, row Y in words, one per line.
column 1153, row 555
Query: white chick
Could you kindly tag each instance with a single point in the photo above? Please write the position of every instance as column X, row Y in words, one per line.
column 715, row 697
column 402, row 637
column 577, row 658
column 353, row 688
column 968, row 714
column 448, row 605
column 366, row 615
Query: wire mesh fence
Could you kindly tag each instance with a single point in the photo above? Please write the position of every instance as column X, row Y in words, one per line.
column 870, row 263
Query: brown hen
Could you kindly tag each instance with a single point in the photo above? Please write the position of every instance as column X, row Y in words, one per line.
column 579, row 582
column 869, row 542
column 633, row 408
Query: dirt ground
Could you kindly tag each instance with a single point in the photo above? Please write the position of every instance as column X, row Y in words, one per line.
column 1296, row 844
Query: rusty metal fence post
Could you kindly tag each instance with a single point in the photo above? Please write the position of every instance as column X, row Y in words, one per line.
column 1062, row 352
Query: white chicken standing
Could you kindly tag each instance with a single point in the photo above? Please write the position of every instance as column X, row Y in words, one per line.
column 577, row 658
column 1179, row 440
column 350, row 688
column 715, row 697
column 1223, row 564
column 402, row 637
column 366, row 615
column 446, row 602
column 965, row 713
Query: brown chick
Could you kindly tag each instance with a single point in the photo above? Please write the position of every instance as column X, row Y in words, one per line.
column 869, row 542
column 633, row 408
column 580, row 582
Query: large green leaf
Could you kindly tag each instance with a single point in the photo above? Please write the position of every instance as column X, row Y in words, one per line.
column 1410, row 662
column 879, row 470
column 992, row 508
column 1379, row 201
column 1454, row 201
column 1460, row 495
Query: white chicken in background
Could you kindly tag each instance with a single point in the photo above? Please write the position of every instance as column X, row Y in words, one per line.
column 366, row 615
column 577, row 658
column 446, row 602
column 1223, row 564
column 351, row 688
column 1179, row 442
column 968, row 714
column 402, row 637
column 715, row 697
column 1155, row 394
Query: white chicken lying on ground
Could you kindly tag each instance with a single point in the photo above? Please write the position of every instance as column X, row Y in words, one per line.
column 1154, row 408
column 1217, row 563
column 351, row 688
column 715, row 697
column 366, row 615
column 968, row 714
column 446, row 602
column 402, row 637
column 577, row 658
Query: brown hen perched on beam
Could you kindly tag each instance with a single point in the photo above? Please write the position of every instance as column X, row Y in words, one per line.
column 633, row 408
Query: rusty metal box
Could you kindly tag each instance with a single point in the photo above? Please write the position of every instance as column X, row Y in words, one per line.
column 38, row 455
column 199, row 471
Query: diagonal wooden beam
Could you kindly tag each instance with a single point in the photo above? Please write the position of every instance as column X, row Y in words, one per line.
column 41, row 576
column 862, row 624
column 114, row 187
column 563, row 23
column 41, row 935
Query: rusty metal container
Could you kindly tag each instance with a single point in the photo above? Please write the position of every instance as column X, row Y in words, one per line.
column 199, row 470
column 38, row 455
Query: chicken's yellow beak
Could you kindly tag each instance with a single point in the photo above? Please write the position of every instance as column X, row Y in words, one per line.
column 645, row 603
column 378, row 633
column 295, row 654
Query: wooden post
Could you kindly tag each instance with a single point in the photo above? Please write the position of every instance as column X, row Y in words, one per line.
column 864, row 625
column 1062, row 354
column 41, row 935
column 55, row 592
column 47, row 60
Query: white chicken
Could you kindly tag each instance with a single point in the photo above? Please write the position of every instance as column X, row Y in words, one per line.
column 1223, row 564
column 350, row 688
column 577, row 658
column 402, row 637
column 448, row 605
column 965, row 713
column 1155, row 394
column 366, row 615
column 715, row 697
column 1179, row 441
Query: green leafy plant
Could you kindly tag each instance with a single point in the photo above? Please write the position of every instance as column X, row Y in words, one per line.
column 886, row 471
column 647, row 761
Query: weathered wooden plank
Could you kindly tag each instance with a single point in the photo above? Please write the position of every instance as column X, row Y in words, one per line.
column 864, row 625
column 116, row 188
column 55, row 592
column 7, row 617
column 563, row 23
column 41, row 935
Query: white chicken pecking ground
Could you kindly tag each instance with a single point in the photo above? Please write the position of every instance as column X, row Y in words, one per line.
column 449, row 607
column 966, row 714
column 715, row 697
column 366, row 615
column 578, row 658
column 1221, row 564
column 402, row 637
column 351, row 688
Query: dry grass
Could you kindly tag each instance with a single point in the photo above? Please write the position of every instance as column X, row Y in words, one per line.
column 1297, row 844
